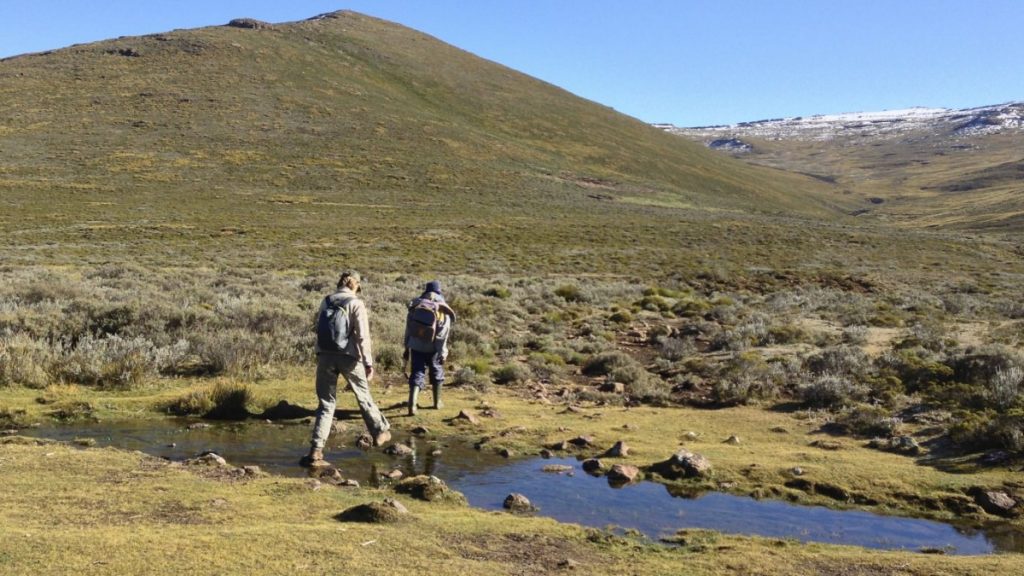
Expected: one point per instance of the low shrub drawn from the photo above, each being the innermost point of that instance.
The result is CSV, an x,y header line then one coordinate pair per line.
x,y
621,317
839,360
605,362
989,429
24,361
675,349
745,377
467,376
511,373
110,362
918,369
498,292
13,418
870,421
222,401
388,357
832,391
572,293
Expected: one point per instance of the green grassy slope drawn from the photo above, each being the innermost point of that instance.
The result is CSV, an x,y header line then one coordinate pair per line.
x,y
293,138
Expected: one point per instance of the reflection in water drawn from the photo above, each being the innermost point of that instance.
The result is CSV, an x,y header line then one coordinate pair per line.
x,y
486,479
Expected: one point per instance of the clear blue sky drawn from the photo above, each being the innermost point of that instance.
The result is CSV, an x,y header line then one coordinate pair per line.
x,y
685,62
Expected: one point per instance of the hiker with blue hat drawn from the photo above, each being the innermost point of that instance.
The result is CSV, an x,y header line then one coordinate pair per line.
x,y
427,327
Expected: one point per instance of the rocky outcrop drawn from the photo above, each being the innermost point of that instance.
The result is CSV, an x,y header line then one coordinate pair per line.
x,y
250,24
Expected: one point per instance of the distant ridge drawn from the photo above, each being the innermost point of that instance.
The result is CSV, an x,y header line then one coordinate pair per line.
x,y
984,119
933,167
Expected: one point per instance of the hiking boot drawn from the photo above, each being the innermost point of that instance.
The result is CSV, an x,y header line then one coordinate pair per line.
x,y
414,394
381,438
315,459
437,397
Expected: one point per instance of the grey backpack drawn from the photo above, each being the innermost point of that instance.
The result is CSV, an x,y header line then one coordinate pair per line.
x,y
332,328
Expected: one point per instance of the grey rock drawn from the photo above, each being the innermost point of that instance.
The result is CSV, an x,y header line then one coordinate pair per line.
x,y
518,503
905,444
623,474
995,502
398,449
593,466
384,512
467,416
582,441
619,450
683,464
429,489
207,459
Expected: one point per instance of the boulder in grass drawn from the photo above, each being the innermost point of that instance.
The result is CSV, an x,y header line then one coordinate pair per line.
x,y
560,446
683,464
995,502
582,441
387,511
207,459
619,450
429,489
467,416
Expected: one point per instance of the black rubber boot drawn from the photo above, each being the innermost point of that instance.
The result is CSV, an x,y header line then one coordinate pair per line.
x,y
437,396
414,394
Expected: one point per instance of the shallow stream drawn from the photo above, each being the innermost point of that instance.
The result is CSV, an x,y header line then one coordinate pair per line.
x,y
571,496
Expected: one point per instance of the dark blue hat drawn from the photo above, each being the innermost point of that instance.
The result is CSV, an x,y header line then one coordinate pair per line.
x,y
433,286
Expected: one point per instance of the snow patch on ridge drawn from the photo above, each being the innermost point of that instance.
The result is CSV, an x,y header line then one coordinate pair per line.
x,y
884,124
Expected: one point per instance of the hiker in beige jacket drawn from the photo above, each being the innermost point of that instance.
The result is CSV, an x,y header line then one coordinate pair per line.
x,y
343,348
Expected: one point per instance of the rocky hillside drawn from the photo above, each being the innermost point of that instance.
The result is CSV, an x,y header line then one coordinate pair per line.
x,y
260,137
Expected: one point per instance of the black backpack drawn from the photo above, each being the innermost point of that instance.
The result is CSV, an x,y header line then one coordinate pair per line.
x,y
332,328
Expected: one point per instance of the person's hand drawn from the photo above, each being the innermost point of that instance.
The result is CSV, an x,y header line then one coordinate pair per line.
x,y
369,372
405,355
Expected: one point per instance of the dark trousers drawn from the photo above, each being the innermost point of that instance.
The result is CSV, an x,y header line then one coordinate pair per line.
x,y
422,363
